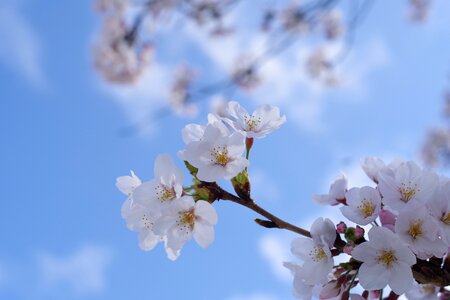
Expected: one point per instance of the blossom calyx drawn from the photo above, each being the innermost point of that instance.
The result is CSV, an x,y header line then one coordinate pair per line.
x,y
241,185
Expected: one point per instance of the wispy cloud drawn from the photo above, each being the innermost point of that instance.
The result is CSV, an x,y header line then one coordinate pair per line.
x,y
21,47
83,271
275,250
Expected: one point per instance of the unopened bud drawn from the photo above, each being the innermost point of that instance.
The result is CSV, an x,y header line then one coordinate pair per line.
x,y
359,232
341,227
348,249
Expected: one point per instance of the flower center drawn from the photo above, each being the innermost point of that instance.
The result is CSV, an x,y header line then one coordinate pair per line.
x,y
251,122
366,208
416,230
317,254
165,193
220,156
386,257
186,220
408,192
446,218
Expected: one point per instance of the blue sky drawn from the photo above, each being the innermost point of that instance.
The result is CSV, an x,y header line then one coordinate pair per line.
x,y
61,231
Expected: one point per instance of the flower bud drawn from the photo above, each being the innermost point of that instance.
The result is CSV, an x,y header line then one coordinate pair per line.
x,y
341,227
359,232
241,185
348,248
387,219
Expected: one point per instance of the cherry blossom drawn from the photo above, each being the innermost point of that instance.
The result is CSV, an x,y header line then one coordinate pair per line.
x,y
364,205
439,207
301,289
185,218
216,156
386,260
408,183
127,184
264,120
336,193
416,228
164,188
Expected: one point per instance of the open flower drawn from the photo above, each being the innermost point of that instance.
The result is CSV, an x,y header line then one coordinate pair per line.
x,y
420,231
408,183
301,289
127,184
364,205
264,120
216,155
164,188
185,218
423,292
141,219
336,194
316,252
439,207
386,260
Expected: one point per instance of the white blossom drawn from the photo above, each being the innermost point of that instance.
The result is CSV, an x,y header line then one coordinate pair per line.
x,y
127,184
141,219
216,155
316,252
420,231
386,260
185,218
372,166
164,188
364,205
264,120
301,289
423,292
439,207
336,193
408,183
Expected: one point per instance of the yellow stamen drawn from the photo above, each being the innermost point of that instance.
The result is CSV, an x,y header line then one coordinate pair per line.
x,y
317,254
165,193
386,257
366,208
408,191
416,230
186,220
220,156
251,122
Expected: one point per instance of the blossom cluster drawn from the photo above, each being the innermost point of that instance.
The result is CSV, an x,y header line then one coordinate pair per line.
x,y
162,210
405,212
407,215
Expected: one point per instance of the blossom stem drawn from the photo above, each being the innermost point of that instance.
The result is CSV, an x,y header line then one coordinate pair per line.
x,y
258,209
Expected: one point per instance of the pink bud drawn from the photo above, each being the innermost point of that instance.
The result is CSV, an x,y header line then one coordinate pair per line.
x,y
341,227
387,217
359,232
348,249
374,294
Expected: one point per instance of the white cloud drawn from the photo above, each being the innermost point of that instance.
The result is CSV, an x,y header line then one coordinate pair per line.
x,y
275,250
264,188
254,296
21,47
84,271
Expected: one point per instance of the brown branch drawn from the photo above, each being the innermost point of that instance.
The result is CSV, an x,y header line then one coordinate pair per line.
x,y
276,222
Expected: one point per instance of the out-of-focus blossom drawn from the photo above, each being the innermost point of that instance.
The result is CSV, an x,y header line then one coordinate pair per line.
x,y
180,92
436,149
293,20
320,67
423,292
112,5
332,24
419,10
245,75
